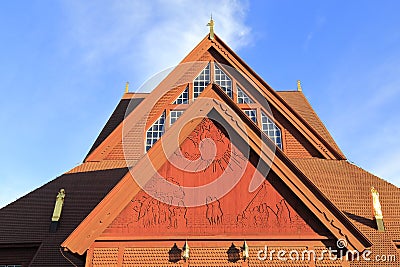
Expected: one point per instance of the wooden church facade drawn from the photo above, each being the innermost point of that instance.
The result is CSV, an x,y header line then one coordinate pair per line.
x,y
212,168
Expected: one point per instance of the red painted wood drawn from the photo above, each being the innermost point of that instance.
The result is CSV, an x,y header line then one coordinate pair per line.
x,y
263,212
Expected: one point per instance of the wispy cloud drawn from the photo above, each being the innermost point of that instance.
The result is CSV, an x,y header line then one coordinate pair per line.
x,y
317,27
147,37
93,40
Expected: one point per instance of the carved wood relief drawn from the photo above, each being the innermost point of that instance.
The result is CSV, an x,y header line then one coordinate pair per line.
x,y
207,153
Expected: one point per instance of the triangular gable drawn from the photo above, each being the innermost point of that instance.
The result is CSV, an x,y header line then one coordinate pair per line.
x,y
220,52
160,211
213,100
227,56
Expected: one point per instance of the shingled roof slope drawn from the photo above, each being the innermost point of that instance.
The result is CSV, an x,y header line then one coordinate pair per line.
x,y
27,220
124,107
349,188
300,104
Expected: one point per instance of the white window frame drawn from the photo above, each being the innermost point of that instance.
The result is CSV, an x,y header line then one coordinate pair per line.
x,y
252,117
174,116
155,131
223,80
202,80
182,99
271,129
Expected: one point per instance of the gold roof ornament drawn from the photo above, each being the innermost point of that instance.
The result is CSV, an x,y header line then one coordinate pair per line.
x,y
58,206
245,251
376,203
377,209
299,86
185,251
127,87
211,25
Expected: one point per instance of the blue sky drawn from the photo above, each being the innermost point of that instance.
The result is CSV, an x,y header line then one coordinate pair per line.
x,y
64,65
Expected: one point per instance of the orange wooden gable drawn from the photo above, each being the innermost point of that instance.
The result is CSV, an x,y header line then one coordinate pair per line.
x,y
215,103
160,210
175,82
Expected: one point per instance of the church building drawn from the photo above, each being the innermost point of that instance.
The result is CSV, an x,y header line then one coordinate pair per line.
x,y
213,167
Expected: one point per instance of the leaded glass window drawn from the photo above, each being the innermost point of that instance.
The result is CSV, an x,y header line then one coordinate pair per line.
x,y
271,130
155,131
183,98
201,81
223,80
243,98
174,115
252,113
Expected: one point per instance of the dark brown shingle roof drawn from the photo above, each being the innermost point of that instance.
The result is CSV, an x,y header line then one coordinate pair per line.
x,y
27,220
124,107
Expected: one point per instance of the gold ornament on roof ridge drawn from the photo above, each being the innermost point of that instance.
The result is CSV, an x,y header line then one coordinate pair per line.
x,y
299,86
211,25
127,87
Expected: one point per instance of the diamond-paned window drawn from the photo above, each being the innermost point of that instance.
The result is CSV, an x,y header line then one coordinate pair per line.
x,y
271,130
252,113
201,81
243,98
183,98
174,115
223,80
155,131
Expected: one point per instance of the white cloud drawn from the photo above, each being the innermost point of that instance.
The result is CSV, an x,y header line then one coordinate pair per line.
x,y
147,37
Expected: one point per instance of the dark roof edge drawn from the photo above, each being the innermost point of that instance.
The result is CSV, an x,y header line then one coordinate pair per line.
x,y
124,107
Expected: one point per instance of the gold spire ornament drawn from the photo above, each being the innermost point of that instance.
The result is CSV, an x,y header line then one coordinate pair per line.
x,y
127,87
185,251
57,211
211,25
58,206
245,251
299,86
377,209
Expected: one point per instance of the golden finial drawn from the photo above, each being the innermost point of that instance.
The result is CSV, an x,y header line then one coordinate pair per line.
x,y
377,209
185,251
58,206
127,87
376,203
211,25
299,86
